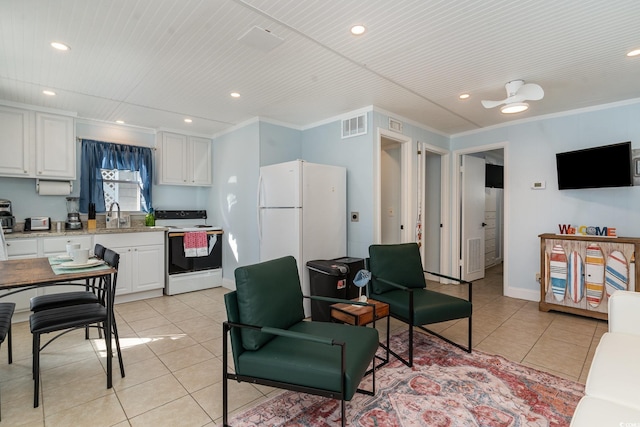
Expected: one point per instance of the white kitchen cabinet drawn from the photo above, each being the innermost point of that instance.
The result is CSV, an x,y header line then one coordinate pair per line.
x,y
184,160
20,249
36,145
15,142
200,161
55,147
141,260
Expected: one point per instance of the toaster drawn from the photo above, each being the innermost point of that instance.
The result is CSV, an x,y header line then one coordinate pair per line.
x,y
37,223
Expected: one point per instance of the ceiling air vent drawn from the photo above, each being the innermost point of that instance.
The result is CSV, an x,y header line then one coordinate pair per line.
x,y
260,39
395,125
354,126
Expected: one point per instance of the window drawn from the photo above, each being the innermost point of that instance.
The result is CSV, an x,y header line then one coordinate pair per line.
x,y
122,187
115,173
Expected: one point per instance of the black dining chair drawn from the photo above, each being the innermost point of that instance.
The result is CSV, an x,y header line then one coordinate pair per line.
x,y
6,313
66,299
68,318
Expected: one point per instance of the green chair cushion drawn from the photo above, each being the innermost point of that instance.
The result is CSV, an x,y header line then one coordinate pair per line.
x,y
268,294
313,364
401,264
429,306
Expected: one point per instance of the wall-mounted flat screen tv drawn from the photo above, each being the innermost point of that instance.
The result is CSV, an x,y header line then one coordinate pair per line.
x,y
494,176
605,166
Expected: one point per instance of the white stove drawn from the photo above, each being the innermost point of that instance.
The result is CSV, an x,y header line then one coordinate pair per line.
x,y
189,220
189,227
185,272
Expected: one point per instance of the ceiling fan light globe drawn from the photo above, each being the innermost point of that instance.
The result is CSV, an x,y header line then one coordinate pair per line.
x,y
514,108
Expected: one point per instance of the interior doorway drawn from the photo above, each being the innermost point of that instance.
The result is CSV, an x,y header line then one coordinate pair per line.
x,y
433,208
391,224
492,218
392,204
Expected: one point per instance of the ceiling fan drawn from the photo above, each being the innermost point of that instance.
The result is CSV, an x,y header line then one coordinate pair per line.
x,y
517,93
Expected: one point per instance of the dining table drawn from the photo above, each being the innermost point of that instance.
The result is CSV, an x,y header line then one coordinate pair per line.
x,y
18,275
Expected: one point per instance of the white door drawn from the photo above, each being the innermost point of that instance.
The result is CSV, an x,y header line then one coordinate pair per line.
x,y
472,208
391,192
279,185
279,233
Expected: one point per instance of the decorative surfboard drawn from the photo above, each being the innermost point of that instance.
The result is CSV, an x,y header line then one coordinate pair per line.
x,y
558,268
594,275
547,272
616,276
575,277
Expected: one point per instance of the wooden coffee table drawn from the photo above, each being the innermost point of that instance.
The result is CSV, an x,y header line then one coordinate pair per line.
x,y
362,315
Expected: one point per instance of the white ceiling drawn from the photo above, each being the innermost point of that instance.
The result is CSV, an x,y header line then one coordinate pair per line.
x,y
152,63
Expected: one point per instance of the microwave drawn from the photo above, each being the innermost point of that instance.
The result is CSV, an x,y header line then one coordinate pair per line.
x,y
37,223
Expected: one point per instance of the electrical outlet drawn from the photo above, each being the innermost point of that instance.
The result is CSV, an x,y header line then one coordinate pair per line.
x,y
355,216
537,277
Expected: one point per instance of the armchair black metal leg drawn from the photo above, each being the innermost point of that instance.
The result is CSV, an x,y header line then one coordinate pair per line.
x,y
344,421
470,330
410,345
9,346
225,386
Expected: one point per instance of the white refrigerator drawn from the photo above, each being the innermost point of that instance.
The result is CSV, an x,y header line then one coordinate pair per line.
x,y
302,211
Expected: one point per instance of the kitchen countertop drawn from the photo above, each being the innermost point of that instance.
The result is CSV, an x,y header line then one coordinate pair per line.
x,y
81,232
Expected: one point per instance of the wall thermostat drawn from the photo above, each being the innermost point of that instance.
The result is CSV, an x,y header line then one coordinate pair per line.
x,y
538,185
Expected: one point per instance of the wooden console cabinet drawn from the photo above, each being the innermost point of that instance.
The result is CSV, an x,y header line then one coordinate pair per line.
x,y
629,246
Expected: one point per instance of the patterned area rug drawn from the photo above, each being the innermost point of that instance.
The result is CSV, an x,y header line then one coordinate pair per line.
x,y
446,387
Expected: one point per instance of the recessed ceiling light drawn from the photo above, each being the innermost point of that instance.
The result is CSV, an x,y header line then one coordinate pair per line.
x,y
49,92
60,46
235,95
188,120
357,30
634,52
517,107
120,122
464,96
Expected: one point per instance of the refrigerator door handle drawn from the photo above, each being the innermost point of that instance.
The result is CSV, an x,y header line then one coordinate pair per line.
x,y
258,209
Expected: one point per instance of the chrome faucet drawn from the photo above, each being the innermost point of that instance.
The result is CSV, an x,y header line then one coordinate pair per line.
x,y
111,210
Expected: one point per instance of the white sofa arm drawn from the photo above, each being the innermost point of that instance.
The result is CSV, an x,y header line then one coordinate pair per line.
x,y
624,312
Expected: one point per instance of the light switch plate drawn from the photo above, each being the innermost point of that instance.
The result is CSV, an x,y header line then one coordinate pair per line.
x,y
538,185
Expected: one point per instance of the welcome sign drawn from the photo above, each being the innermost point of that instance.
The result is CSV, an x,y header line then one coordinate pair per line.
x,y
587,230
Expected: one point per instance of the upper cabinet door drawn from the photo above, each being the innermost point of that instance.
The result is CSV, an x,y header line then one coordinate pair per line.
x,y
200,161
173,151
55,147
15,143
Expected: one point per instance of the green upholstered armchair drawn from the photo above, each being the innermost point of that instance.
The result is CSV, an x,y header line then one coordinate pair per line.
x,y
273,345
398,280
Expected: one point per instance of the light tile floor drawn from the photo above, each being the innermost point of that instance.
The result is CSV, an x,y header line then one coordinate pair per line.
x,y
173,358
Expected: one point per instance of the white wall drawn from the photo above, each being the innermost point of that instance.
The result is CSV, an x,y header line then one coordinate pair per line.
x,y
531,157
323,144
278,144
232,197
